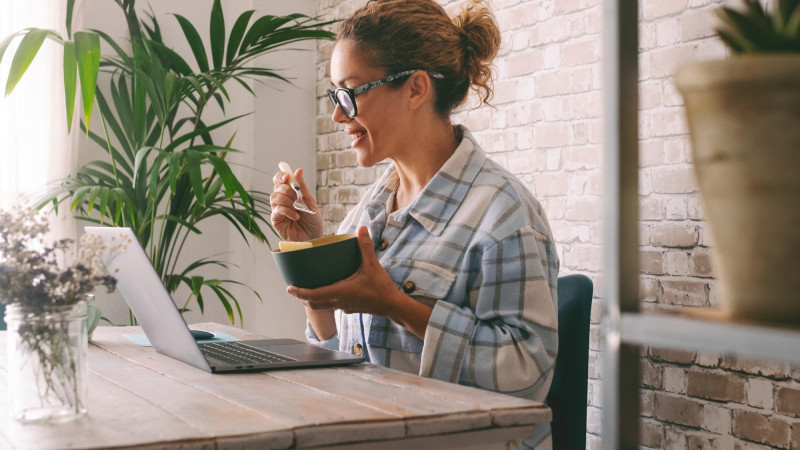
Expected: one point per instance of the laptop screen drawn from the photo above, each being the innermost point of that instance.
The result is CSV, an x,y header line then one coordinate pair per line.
x,y
146,295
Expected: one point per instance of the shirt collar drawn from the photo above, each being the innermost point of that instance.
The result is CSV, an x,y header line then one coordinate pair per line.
x,y
442,196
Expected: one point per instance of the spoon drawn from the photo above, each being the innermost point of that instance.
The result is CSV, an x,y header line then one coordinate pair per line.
x,y
298,204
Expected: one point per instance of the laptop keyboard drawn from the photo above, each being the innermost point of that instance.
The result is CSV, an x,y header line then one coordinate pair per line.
x,y
238,354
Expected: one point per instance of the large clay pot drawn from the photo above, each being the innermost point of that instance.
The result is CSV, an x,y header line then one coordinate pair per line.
x,y
744,124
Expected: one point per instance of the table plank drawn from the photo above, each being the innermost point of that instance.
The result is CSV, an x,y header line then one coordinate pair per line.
x,y
106,425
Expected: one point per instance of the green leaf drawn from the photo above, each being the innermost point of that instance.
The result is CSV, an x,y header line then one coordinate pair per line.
x,y
141,155
87,47
124,110
195,42
237,33
200,302
181,221
125,59
155,176
116,129
194,161
221,295
70,79
197,284
215,82
217,34
212,190
188,136
177,63
793,25
229,180
6,42
174,170
245,85
260,27
70,8
784,11
27,50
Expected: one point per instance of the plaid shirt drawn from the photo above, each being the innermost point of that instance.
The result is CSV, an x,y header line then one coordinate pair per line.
x,y
475,245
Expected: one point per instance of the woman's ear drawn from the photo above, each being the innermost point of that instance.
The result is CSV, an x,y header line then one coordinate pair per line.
x,y
421,89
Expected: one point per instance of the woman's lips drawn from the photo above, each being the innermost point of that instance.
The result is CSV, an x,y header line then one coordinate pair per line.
x,y
358,136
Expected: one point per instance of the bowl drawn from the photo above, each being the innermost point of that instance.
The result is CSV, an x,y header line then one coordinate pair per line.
x,y
328,260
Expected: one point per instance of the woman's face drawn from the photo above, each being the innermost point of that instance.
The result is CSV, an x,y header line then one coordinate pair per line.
x,y
377,129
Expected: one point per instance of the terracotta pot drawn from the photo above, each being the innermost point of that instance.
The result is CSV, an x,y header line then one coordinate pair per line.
x,y
744,124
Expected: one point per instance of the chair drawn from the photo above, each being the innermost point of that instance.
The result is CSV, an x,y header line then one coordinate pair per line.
x,y
567,396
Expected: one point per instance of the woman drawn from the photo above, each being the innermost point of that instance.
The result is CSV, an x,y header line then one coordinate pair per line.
x,y
459,269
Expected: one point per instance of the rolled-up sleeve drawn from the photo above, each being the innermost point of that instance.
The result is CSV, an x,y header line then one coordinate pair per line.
x,y
506,339
311,337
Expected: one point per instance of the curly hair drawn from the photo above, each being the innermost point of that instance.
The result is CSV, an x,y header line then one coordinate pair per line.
x,y
397,35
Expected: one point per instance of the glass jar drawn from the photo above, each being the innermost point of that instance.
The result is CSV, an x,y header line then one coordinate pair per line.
x,y
47,370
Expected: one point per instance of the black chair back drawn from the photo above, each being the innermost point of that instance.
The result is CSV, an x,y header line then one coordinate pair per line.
x,y
567,396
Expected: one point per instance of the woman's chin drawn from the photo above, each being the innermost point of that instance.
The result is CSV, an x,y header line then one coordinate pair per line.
x,y
364,157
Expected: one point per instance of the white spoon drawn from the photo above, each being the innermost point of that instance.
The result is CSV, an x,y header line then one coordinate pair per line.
x,y
298,204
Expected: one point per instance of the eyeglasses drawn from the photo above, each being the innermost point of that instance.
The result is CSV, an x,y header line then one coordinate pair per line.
x,y
346,98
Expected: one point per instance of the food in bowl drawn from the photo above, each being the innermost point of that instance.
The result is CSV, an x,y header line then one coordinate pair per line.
x,y
288,246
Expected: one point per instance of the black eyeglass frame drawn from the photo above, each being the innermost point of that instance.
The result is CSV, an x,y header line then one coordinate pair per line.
x,y
351,93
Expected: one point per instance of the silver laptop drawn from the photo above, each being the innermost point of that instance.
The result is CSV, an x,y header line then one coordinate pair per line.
x,y
168,333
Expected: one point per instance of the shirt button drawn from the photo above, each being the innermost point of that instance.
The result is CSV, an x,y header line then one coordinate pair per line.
x,y
409,287
384,245
358,350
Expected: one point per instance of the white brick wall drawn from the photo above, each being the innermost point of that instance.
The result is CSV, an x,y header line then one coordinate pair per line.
x,y
546,129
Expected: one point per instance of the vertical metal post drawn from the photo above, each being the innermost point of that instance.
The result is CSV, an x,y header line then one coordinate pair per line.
x,y
620,362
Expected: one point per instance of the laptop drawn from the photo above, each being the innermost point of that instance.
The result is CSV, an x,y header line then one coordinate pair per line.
x,y
164,326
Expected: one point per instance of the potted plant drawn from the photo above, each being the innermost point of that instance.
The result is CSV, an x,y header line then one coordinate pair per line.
x,y
744,115
164,173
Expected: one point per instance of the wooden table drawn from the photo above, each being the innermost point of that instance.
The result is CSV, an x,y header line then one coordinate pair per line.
x,y
138,397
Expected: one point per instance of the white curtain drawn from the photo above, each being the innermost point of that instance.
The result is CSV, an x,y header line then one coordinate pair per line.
x,y
35,147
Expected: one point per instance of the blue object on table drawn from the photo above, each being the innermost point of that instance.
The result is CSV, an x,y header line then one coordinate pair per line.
x,y
2,315
141,339
567,396
199,335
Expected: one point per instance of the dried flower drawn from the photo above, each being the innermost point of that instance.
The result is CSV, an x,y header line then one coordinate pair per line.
x,y
37,275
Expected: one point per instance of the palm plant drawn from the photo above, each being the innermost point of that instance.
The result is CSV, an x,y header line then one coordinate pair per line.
x,y
164,174
754,29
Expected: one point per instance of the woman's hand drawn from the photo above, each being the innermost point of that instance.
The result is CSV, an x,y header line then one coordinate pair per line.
x,y
370,290
293,225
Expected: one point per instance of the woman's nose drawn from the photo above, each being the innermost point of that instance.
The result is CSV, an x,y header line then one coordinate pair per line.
x,y
339,116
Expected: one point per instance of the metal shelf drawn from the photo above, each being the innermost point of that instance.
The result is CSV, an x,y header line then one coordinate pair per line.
x,y
625,329
710,329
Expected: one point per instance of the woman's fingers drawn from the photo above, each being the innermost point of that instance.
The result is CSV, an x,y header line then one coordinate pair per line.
x,y
366,246
308,196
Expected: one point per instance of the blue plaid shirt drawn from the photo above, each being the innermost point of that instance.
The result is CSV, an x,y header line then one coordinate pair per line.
x,y
475,245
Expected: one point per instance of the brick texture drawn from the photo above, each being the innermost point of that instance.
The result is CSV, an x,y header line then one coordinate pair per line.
x,y
719,386
760,428
788,401
546,128
678,410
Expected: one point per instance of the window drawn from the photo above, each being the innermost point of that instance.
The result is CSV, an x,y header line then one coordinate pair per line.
x,y
35,147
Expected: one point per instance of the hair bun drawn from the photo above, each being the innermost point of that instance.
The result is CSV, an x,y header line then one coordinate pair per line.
x,y
481,38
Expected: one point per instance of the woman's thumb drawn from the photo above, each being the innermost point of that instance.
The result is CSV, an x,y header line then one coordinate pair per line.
x,y
365,243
